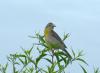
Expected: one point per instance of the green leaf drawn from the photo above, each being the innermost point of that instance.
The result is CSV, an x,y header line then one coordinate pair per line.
x,y
57,57
21,60
65,36
63,59
19,55
96,70
29,52
79,59
58,63
32,36
73,53
48,60
80,53
60,53
68,62
84,70
52,67
25,51
3,69
44,44
26,61
45,50
39,50
61,69
32,61
41,70
41,39
6,66
40,57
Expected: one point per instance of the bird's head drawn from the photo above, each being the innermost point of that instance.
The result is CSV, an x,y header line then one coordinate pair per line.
x,y
50,26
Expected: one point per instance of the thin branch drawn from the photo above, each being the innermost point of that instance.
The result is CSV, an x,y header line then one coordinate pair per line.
x,y
52,56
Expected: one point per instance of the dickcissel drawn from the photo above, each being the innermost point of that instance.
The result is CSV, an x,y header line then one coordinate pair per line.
x,y
53,40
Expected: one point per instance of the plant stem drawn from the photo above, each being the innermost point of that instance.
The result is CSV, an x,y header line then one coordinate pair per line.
x,y
52,56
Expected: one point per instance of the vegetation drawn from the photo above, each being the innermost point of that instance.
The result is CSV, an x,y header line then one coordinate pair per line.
x,y
39,59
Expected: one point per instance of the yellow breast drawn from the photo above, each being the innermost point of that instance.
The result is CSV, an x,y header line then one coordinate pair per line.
x,y
46,32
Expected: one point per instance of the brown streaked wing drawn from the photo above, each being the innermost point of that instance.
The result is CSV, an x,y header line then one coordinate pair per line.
x,y
54,34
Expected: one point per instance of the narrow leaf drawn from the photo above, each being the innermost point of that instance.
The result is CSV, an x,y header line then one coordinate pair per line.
x,y
65,36
79,59
73,53
48,60
40,57
84,70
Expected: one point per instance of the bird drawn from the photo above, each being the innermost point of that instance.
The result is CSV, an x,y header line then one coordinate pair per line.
x,y
53,40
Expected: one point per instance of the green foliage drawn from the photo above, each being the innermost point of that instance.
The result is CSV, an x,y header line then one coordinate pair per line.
x,y
84,70
96,70
55,62
3,69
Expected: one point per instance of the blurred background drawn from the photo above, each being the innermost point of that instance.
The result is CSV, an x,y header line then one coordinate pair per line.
x,y
80,18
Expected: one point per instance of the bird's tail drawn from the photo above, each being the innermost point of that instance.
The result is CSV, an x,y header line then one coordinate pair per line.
x,y
67,53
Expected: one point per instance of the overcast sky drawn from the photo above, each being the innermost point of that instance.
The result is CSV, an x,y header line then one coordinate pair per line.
x,y
80,18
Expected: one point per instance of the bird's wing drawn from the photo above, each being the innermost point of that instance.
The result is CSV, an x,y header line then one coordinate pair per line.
x,y
55,35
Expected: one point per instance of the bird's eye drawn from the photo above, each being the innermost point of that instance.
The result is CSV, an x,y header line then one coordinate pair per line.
x,y
49,25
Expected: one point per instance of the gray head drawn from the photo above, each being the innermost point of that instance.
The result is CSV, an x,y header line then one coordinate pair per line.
x,y
50,26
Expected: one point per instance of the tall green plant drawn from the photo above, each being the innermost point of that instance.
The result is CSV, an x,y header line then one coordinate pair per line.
x,y
27,62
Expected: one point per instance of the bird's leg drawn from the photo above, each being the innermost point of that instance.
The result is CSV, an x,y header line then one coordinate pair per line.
x,y
52,55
